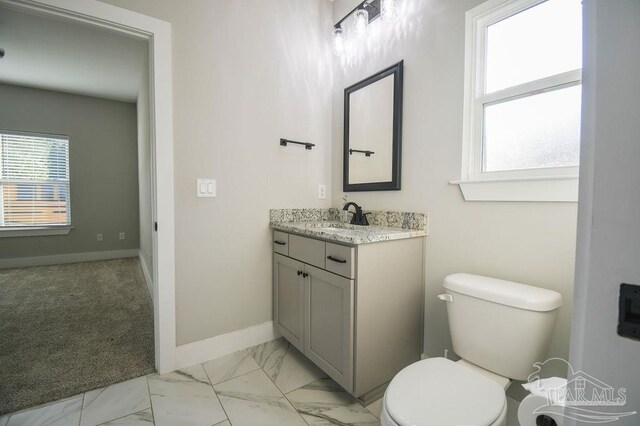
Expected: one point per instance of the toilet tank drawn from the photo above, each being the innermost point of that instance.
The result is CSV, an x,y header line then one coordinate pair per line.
x,y
501,326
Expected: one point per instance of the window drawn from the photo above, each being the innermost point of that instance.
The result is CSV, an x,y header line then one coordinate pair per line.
x,y
34,182
522,101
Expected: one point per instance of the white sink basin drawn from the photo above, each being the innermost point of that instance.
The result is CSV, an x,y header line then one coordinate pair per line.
x,y
340,229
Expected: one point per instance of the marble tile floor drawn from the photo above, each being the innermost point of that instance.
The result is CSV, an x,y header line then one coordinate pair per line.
x,y
269,384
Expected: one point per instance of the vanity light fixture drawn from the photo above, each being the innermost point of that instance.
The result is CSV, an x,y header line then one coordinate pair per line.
x,y
363,15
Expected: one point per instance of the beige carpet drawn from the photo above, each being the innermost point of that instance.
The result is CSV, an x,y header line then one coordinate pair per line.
x,y
67,329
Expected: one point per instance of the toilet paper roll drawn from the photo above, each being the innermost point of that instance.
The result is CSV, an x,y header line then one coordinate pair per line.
x,y
534,406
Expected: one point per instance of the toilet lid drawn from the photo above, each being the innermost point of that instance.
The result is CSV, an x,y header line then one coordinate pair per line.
x,y
440,392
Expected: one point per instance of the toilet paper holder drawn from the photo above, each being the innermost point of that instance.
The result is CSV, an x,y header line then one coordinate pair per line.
x,y
544,420
528,414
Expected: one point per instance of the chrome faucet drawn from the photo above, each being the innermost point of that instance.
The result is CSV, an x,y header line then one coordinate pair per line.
x,y
358,217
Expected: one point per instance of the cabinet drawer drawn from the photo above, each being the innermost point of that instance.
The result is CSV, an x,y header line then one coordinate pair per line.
x,y
281,242
307,250
340,260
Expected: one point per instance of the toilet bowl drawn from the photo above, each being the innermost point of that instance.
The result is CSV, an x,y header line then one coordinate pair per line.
x,y
440,392
499,329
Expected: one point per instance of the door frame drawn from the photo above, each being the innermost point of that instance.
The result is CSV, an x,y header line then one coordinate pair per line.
x,y
158,35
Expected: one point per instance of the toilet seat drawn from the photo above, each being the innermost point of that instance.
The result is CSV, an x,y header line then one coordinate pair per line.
x,y
440,392
386,419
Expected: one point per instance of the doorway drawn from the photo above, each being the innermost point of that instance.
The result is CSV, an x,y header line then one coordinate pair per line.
x,y
158,35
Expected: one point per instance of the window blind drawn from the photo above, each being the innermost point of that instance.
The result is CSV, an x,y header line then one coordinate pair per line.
x,y
34,180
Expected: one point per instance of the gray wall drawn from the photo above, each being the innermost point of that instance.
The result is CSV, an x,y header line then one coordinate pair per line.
x,y
609,234
103,168
532,243
245,73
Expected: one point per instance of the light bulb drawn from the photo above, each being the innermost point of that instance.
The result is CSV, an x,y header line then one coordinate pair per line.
x,y
388,10
338,41
361,23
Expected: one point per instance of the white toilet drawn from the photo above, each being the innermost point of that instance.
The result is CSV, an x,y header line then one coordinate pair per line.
x,y
499,329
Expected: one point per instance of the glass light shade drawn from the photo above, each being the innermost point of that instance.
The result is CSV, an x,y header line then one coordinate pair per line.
x,y
361,17
338,41
388,10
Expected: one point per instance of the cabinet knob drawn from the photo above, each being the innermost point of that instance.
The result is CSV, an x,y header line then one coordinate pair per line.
x,y
305,275
299,273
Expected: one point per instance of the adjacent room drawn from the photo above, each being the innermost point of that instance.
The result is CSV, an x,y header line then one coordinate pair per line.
x,y
319,212
76,312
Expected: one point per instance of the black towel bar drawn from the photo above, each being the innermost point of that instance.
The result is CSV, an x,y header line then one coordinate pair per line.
x,y
307,145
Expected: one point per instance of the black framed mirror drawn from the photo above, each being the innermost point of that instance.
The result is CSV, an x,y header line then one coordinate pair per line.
x,y
373,132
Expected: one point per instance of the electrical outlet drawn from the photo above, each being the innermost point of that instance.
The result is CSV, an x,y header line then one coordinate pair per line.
x,y
322,191
99,237
121,235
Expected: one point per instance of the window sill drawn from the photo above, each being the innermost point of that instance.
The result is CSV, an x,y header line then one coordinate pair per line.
x,y
34,231
540,189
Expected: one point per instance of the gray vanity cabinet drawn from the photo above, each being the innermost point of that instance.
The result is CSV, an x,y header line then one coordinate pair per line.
x,y
329,324
354,310
289,299
313,310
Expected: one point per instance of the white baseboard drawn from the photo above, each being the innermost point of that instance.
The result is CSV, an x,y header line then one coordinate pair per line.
x,y
145,271
224,344
56,259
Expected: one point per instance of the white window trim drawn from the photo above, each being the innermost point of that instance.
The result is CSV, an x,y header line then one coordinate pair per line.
x,y
34,231
559,184
37,230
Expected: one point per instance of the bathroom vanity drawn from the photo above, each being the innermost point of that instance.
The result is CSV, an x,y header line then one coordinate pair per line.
x,y
350,297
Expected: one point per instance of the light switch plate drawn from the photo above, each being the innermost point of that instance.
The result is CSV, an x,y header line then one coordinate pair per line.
x,y
206,188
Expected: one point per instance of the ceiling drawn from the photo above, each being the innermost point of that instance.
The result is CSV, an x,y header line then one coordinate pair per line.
x,y
70,57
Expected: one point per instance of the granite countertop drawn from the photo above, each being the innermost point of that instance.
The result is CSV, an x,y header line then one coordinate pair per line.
x,y
327,224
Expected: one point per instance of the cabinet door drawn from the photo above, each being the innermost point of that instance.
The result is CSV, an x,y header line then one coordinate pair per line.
x,y
288,297
329,324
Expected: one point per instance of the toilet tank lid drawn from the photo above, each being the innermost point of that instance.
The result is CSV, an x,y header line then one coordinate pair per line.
x,y
504,292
